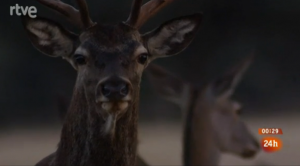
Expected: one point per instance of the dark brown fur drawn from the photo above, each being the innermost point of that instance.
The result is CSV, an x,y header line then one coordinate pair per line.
x,y
62,105
83,143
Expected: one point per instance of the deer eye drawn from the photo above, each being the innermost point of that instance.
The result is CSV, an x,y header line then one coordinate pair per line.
x,y
80,59
142,59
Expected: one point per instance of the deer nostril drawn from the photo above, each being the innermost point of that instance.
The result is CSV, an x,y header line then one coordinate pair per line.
x,y
124,90
106,91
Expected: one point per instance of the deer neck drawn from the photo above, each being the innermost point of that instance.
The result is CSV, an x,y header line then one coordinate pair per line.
x,y
82,140
198,142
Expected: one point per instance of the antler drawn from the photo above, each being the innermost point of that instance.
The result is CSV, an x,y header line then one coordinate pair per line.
x,y
139,15
134,14
80,18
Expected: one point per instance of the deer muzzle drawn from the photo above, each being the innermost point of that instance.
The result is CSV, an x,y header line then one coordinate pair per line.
x,y
112,97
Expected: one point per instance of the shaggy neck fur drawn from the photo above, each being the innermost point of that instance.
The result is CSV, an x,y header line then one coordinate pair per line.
x,y
83,143
198,143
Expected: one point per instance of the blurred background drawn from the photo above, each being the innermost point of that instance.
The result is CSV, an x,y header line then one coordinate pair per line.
x,y
231,30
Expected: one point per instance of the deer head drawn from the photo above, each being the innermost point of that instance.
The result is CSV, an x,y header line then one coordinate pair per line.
x,y
110,59
230,133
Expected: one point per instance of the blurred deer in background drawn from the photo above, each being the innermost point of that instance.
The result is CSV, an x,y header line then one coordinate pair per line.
x,y
100,127
212,123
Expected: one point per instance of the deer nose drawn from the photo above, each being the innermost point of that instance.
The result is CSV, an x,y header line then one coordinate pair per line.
x,y
251,150
249,153
120,90
114,89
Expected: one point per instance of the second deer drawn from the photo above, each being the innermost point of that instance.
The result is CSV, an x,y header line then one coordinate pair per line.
x,y
212,123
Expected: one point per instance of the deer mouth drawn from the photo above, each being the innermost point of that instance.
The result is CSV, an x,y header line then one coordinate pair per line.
x,y
114,106
249,153
112,111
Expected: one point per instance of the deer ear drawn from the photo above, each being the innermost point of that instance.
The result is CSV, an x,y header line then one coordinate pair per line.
x,y
225,85
173,36
166,84
49,37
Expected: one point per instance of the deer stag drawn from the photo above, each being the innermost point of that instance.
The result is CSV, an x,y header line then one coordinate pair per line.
x,y
212,123
100,127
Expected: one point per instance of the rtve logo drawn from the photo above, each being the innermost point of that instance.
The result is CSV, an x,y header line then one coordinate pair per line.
x,y
31,11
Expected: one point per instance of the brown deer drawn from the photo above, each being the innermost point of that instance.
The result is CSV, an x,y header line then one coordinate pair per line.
x,y
212,123
100,127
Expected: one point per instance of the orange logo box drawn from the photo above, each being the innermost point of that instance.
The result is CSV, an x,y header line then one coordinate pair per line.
x,y
270,131
271,144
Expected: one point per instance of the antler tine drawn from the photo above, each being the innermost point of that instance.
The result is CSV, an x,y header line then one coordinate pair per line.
x,y
79,18
149,9
134,14
84,13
